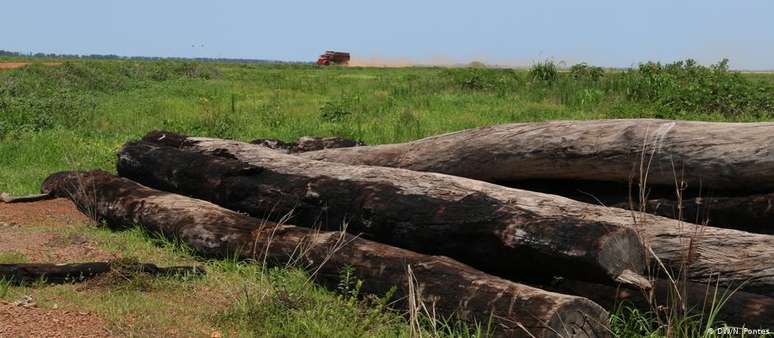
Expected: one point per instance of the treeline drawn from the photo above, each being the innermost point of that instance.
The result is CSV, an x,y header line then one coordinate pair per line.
x,y
5,53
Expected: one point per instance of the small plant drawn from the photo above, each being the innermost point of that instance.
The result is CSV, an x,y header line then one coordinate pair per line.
x,y
546,71
5,287
349,286
337,111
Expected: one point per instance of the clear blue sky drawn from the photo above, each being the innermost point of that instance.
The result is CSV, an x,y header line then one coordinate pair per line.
x,y
608,33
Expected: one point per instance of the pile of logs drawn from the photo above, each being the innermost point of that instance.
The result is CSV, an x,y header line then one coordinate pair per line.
x,y
527,227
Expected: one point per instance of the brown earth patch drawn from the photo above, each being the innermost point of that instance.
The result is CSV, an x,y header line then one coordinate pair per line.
x,y
31,321
22,231
56,212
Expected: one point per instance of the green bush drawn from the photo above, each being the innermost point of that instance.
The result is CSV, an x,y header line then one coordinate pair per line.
x,y
687,87
546,72
583,71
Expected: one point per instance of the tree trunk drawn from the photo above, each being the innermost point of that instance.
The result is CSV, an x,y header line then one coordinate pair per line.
x,y
67,273
754,213
707,155
734,308
401,201
453,288
515,234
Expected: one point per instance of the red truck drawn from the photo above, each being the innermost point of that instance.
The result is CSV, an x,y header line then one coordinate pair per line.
x,y
333,58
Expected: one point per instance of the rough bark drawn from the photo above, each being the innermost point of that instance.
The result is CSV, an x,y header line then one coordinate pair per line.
x,y
308,143
452,287
511,233
734,308
715,156
754,213
735,257
76,272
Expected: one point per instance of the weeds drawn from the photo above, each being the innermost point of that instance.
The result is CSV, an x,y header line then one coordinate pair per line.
x,y
545,72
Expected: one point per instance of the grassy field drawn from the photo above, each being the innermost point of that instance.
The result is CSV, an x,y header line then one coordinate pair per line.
x,y
76,115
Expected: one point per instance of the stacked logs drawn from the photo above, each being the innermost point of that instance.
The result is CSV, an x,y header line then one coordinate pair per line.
x,y
468,214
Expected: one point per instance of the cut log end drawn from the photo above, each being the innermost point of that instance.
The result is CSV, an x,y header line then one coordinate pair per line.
x,y
579,318
624,255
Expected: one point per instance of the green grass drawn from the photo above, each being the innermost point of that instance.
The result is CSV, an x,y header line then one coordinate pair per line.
x,y
76,116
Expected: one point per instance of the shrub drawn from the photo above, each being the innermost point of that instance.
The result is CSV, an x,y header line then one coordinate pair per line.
x,y
583,71
546,71
686,86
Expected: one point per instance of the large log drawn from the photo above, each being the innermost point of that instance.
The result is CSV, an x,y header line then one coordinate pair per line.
x,y
714,156
453,288
754,213
735,257
76,272
512,233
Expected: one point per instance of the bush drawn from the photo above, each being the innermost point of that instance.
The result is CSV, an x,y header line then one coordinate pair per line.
x,y
686,86
546,71
583,71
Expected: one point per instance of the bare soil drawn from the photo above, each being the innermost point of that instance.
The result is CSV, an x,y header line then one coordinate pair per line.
x,y
25,228
31,321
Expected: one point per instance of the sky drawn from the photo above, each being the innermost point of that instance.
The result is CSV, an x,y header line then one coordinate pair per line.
x,y
613,33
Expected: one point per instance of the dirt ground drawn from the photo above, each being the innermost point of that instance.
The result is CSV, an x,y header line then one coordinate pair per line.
x,y
20,235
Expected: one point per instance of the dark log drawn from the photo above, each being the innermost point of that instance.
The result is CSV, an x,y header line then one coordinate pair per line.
x,y
453,288
714,156
709,253
308,143
754,213
735,308
76,272
515,234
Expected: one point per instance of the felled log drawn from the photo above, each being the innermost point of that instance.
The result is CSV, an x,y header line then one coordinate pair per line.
x,y
737,308
308,143
511,233
402,198
754,213
76,272
714,156
453,288
7,198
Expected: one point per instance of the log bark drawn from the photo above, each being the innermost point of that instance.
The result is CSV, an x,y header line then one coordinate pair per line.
x,y
453,288
515,234
714,156
308,143
76,272
703,254
754,213
737,308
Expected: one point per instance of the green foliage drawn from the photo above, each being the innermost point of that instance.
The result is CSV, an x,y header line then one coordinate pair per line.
x,y
340,110
482,79
546,72
583,71
39,97
5,286
687,87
